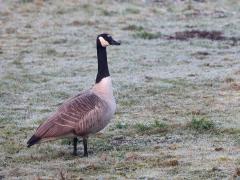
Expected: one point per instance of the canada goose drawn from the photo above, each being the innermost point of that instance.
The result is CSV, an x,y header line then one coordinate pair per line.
x,y
86,113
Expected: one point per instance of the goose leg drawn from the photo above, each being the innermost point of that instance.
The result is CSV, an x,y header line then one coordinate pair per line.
x,y
75,146
85,147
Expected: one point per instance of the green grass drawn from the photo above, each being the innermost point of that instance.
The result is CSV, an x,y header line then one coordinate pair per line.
x,y
66,141
155,127
132,10
108,13
201,124
140,127
143,34
26,1
159,86
158,124
100,145
233,132
12,147
51,52
121,125
133,27
128,102
3,120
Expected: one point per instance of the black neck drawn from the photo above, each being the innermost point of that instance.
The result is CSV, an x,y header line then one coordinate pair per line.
x,y
102,64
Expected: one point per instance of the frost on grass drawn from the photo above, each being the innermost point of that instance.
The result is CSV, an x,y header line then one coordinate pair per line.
x,y
175,77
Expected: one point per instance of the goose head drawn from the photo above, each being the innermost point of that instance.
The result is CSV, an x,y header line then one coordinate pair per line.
x,y
104,40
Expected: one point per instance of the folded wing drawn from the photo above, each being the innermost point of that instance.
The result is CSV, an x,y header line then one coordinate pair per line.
x,y
79,115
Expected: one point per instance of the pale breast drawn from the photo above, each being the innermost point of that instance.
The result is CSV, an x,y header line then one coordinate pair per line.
x,y
107,111
104,91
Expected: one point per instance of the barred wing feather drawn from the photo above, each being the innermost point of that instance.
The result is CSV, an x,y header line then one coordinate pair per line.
x,y
78,116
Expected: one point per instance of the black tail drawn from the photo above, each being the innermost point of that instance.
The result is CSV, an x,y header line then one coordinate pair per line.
x,y
33,140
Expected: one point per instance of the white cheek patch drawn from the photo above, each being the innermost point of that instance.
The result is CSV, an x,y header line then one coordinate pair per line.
x,y
103,42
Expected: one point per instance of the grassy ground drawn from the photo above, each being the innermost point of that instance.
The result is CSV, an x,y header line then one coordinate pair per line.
x,y
178,98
